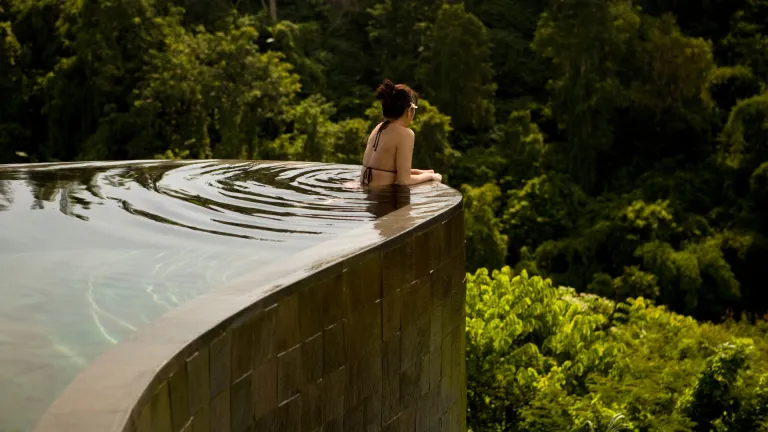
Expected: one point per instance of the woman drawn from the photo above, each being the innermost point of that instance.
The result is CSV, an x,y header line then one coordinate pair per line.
x,y
387,158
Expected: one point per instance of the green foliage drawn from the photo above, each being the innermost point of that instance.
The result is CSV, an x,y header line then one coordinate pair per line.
x,y
544,358
485,244
396,31
520,74
585,39
542,209
747,42
744,136
455,68
300,42
514,154
729,85
216,83
612,146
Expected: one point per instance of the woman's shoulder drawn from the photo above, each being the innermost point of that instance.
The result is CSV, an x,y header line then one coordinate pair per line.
x,y
407,137
405,131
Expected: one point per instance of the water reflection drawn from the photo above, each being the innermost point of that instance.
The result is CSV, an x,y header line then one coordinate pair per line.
x,y
386,199
90,252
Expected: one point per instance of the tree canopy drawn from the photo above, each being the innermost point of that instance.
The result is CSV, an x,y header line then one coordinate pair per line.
x,y
615,147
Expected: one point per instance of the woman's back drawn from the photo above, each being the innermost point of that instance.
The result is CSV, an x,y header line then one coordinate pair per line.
x,y
380,158
388,153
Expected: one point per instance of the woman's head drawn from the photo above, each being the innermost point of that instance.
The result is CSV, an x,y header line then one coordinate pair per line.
x,y
396,100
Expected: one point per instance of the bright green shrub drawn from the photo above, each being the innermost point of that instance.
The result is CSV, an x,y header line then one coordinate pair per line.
x,y
544,358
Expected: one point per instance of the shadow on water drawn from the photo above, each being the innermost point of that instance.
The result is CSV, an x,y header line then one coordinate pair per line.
x,y
387,199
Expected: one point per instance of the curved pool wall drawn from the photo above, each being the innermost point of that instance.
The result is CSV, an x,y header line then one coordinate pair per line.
x,y
362,331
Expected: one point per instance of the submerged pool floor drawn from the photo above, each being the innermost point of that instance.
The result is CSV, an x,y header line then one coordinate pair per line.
x,y
91,252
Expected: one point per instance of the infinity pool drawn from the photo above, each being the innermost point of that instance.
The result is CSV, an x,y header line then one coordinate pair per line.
x,y
90,252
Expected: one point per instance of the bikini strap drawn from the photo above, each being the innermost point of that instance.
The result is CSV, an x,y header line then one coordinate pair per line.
x,y
383,126
367,175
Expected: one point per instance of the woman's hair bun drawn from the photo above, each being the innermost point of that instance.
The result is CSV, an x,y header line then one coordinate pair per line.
x,y
385,90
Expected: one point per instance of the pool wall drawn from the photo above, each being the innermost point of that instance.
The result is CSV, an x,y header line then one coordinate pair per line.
x,y
371,341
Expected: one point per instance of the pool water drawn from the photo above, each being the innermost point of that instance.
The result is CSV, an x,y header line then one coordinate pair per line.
x,y
90,252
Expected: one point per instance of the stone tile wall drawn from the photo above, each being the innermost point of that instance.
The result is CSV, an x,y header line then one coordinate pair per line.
x,y
377,345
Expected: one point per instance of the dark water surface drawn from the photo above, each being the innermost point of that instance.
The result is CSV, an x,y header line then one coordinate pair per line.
x,y
90,252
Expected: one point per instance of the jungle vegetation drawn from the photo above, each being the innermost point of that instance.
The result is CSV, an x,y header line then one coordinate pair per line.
x,y
617,147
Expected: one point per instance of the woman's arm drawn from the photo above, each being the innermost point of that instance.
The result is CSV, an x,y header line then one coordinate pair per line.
x,y
404,156
415,171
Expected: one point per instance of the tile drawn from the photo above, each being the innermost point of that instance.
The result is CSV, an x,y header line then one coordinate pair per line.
x,y
372,278
263,336
241,403
221,353
265,388
435,367
362,284
416,301
447,319
457,355
423,414
460,233
445,424
333,304
364,377
410,385
446,240
391,379
334,425
436,327
421,256
435,239
287,333
312,406
372,413
445,395
220,415
404,422
459,267
415,342
425,375
160,407
179,398
289,374
456,231
145,419
333,394
198,383
455,416
269,422
434,408
445,356
390,315
289,415
242,349
311,311
441,281
334,355
353,419
362,334
201,422
397,267
187,427
312,359
457,308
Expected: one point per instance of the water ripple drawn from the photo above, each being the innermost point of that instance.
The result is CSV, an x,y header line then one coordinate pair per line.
x,y
90,252
246,200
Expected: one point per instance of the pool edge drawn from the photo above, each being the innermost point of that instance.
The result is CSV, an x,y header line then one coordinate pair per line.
x,y
115,391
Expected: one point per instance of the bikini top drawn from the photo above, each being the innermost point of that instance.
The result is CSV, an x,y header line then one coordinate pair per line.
x,y
368,173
